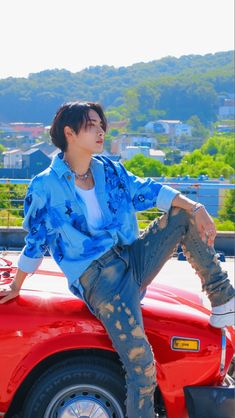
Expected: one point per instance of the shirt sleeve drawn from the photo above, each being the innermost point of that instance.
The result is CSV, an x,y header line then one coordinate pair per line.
x,y
36,224
147,193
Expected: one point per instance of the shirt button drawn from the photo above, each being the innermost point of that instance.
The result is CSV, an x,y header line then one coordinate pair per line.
x,y
69,177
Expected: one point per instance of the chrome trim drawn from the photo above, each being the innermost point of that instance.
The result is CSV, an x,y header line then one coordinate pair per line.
x,y
185,338
223,350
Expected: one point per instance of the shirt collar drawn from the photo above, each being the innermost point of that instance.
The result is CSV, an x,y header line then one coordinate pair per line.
x,y
59,166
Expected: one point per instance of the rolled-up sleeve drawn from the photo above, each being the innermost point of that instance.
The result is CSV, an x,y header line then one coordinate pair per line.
x,y
165,197
27,264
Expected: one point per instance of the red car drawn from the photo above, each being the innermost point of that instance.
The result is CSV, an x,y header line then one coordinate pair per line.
x,y
56,360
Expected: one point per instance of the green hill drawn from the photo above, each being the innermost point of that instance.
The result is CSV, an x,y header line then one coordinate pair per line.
x,y
169,87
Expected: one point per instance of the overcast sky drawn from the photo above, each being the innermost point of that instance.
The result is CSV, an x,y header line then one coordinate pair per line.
x,y
74,34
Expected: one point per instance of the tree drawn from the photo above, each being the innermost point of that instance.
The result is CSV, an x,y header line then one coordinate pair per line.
x,y
2,149
145,167
198,129
227,212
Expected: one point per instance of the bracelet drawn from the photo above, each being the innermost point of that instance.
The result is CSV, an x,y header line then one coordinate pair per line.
x,y
14,287
197,207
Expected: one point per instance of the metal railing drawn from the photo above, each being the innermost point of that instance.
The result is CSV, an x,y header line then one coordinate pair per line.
x,y
211,194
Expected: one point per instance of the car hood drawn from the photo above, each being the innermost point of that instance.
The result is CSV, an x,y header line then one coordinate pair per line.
x,y
54,283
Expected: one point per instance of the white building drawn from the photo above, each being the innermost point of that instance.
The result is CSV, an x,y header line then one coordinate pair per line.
x,y
12,158
183,129
119,145
227,111
131,151
157,154
171,128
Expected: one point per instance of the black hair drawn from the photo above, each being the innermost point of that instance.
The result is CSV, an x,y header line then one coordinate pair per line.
x,y
75,115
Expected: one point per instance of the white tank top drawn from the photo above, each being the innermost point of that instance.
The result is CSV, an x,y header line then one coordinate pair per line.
x,y
94,214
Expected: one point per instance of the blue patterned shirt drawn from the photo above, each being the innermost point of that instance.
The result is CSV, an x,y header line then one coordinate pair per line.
x,y
55,215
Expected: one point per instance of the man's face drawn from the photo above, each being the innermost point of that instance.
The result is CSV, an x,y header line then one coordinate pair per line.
x,y
90,139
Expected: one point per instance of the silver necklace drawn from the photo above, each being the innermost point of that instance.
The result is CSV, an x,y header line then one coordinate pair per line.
x,y
82,177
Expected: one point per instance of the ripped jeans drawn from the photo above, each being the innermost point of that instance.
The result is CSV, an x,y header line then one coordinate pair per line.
x,y
113,285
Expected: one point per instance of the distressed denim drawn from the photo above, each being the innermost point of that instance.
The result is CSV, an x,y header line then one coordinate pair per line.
x,y
113,286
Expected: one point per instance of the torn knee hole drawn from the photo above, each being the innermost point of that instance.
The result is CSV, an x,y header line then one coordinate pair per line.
x,y
162,221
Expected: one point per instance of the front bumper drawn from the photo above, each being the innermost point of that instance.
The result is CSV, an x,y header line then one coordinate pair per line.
x,y
210,401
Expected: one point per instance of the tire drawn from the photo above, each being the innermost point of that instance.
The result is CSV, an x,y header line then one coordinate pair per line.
x,y
86,384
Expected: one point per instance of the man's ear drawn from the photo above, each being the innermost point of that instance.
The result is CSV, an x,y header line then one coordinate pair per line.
x,y
68,133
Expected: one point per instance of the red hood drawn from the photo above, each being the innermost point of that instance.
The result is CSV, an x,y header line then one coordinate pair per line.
x,y
55,282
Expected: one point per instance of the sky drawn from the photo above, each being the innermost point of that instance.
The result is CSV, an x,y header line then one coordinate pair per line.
x,y
37,35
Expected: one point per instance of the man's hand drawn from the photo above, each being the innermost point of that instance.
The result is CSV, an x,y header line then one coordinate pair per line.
x,y
13,290
8,293
205,225
203,220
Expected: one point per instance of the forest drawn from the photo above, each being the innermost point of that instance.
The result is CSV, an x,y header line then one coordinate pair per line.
x,y
170,88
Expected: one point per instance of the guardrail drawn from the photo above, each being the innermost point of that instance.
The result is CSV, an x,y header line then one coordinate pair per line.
x,y
211,194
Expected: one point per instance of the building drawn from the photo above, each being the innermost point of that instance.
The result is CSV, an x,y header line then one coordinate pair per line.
x,y
119,145
34,161
157,154
183,129
225,128
45,147
12,158
32,130
131,151
155,127
227,109
172,128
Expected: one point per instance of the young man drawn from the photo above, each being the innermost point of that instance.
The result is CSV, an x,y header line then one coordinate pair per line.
x,y
82,208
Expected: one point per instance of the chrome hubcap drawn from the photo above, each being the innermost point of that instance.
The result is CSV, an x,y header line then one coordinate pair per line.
x,y
81,408
84,401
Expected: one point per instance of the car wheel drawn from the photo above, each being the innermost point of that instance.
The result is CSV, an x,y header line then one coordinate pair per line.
x,y
79,387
